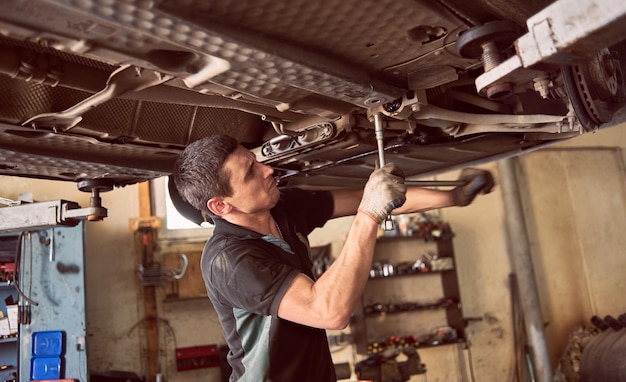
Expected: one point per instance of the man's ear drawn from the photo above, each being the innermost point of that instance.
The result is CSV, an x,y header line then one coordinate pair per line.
x,y
217,206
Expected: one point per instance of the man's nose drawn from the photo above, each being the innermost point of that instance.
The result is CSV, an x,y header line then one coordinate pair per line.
x,y
267,170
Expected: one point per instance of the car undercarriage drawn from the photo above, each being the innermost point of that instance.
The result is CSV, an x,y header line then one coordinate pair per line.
x,y
110,92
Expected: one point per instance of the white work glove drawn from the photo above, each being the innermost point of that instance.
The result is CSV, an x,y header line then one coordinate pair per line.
x,y
478,181
384,191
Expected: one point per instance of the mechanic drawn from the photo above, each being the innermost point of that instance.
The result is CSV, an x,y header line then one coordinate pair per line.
x,y
256,265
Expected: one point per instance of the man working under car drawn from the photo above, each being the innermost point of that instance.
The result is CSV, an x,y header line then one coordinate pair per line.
x,y
256,266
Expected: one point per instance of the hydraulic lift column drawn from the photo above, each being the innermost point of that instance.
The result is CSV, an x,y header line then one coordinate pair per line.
x,y
50,269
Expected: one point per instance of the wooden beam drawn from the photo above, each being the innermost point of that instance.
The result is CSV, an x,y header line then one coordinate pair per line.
x,y
147,243
145,200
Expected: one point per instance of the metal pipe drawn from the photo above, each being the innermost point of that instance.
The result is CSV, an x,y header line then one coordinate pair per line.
x,y
435,112
75,76
434,183
524,271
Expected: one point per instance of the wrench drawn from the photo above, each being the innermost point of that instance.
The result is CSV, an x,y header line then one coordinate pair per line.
x,y
378,131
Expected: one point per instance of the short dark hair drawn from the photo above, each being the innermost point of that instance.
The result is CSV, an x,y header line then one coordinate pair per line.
x,y
199,172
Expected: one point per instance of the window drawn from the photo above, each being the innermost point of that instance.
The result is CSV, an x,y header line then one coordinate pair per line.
x,y
174,226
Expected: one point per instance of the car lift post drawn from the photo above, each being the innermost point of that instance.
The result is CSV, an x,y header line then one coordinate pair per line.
x,y
51,284
48,228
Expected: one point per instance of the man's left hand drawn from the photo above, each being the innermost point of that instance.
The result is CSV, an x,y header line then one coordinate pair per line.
x,y
477,181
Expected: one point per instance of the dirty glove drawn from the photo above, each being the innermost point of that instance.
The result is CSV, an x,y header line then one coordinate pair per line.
x,y
477,181
384,191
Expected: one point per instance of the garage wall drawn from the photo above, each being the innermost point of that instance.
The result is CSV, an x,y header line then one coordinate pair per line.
x,y
574,196
576,203
575,224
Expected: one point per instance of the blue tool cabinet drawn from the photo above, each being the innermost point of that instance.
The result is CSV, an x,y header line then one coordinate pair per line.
x,y
50,343
52,279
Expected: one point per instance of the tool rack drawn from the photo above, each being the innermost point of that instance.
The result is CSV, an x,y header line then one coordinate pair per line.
x,y
416,306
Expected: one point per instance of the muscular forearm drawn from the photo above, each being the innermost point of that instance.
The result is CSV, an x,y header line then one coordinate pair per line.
x,y
328,303
424,199
346,202
417,200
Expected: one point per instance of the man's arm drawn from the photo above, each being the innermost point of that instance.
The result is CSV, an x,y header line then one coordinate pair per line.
x,y
423,199
417,200
328,302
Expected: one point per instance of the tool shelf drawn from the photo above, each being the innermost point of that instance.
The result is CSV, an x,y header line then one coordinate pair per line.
x,y
384,346
418,303
377,309
409,274
9,346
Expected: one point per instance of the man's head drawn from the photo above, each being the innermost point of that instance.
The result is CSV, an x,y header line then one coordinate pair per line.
x,y
199,173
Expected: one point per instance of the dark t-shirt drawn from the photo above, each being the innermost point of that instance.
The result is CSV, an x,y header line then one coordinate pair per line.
x,y
246,277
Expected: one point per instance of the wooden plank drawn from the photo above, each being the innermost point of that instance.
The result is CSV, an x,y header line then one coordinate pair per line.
x,y
145,209
191,285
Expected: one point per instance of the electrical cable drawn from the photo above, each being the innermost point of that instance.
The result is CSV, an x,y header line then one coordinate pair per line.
x,y
18,259
173,334
169,328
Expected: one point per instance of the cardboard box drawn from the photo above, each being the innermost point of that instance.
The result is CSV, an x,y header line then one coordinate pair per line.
x,y
12,313
4,327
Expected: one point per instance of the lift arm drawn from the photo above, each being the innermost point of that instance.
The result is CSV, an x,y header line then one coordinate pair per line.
x,y
41,215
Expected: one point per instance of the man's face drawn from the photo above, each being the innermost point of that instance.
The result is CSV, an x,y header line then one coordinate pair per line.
x,y
254,187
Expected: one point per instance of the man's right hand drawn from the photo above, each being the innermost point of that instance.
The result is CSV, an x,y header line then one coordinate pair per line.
x,y
385,190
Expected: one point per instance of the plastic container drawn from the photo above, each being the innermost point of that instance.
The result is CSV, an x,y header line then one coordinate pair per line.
x,y
42,368
47,344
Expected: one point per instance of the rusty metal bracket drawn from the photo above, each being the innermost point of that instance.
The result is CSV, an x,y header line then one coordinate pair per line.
x,y
124,80
563,33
